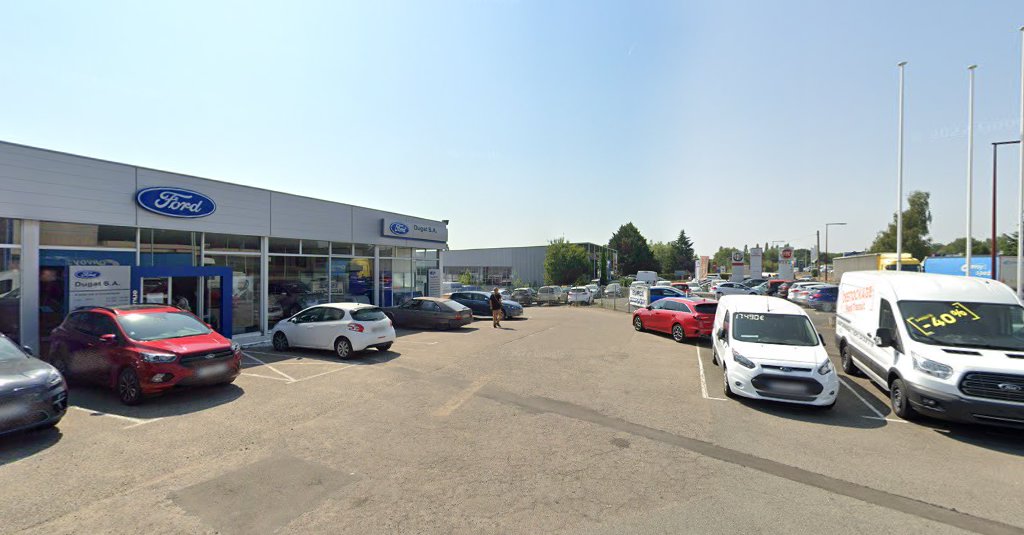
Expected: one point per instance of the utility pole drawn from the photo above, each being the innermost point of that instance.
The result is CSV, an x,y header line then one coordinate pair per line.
x,y
817,246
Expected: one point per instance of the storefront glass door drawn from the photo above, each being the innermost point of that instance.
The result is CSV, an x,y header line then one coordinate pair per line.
x,y
180,292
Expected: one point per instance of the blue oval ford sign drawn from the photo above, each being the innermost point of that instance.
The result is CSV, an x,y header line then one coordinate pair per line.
x,y
87,274
399,228
175,202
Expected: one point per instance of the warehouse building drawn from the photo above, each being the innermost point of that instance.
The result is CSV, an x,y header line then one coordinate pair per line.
x,y
503,266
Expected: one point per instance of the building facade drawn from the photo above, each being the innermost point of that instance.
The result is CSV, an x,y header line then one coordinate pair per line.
x,y
77,231
503,266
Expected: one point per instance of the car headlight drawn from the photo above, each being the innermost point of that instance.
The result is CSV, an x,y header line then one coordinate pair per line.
x,y
825,368
743,361
158,358
54,379
935,369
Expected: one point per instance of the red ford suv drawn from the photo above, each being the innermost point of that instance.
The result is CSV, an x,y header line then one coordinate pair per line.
x,y
142,350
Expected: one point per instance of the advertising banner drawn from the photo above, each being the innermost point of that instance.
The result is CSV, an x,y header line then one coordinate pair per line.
x,y
99,286
957,265
434,282
756,262
639,295
415,229
786,263
737,266
705,266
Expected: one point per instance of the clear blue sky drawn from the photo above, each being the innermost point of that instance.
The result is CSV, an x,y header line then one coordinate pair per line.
x,y
521,121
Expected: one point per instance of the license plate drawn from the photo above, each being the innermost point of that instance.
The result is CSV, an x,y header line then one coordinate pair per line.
x,y
212,370
380,329
792,388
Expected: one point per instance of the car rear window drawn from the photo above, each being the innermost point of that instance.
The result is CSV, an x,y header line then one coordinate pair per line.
x,y
706,308
161,326
454,306
368,314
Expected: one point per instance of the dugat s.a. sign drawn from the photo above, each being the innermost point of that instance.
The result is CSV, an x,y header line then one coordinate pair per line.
x,y
175,202
414,229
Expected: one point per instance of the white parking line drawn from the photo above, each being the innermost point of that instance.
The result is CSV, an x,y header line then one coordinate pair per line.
x,y
703,381
135,421
878,414
271,368
324,373
266,377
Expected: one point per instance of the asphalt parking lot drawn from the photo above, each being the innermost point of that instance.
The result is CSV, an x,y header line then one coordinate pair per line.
x,y
565,421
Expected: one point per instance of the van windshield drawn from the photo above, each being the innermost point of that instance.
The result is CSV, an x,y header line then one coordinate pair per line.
x,y
980,325
781,329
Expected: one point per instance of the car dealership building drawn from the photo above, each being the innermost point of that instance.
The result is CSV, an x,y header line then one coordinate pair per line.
x,y
77,231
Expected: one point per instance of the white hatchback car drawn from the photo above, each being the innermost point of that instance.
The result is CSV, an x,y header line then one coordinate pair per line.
x,y
342,327
769,349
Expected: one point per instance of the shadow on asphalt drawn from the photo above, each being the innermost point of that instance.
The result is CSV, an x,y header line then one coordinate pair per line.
x,y
840,416
271,357
1001,439
27,443
175,403
405,331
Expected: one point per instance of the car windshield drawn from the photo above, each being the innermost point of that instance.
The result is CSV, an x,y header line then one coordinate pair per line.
x,y
161,326
9,351
958,324
368,314
781,329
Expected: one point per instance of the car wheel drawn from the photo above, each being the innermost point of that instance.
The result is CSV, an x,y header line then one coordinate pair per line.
x,y
280,341
60,361
343,348
727,390
129,391
638,323
714,357
384,347
899,400
678,334
847,361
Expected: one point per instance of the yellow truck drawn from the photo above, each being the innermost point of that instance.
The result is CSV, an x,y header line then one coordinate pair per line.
x,y
871,262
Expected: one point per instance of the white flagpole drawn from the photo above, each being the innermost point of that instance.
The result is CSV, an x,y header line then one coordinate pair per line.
x,y
899,180
970,165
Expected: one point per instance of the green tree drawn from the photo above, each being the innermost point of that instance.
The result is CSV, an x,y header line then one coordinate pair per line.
x,y
566,263
723,257
466,278
682,253
634,253
604,266
1007,244
664,255
957,247
916,219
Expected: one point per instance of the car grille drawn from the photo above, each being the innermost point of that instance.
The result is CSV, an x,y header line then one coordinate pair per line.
x,y
196,359
786,370
785,386
1000,386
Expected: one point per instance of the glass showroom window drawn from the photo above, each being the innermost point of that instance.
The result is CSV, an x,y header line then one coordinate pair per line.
x,y
352,280
10,278
396,281
245,292
159,247
294,283
76,235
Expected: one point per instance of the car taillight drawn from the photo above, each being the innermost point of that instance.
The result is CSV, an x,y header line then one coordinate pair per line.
x,y
816,296
355,327
458,315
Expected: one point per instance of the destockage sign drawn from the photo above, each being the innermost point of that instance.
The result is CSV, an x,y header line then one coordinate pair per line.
x,y
175,202
413,230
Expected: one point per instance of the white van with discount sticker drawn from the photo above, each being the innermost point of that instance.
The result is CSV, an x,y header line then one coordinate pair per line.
x,y
945,346
769,349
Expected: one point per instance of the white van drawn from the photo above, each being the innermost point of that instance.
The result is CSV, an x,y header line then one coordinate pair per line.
x,y
945,346
649,277
769,349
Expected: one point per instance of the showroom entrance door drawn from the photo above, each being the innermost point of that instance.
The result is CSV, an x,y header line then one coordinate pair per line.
x,y
195,289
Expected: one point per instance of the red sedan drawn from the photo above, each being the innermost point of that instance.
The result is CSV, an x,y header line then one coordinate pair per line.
x,y
682,317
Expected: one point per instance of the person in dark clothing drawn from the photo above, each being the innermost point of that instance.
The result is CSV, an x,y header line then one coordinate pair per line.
x,y
495,302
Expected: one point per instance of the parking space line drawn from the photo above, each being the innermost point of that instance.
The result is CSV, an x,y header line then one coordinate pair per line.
x,y
135,421
878,414
273,369
324,373
266,377
703,380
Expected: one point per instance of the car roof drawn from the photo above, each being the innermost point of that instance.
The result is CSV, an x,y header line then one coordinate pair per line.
x,y
346,306
761,304
437,299
690,300
911,286
130,309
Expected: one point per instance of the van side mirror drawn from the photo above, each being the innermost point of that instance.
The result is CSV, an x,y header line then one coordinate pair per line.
x,y
720,334
884,337
822,338
27,350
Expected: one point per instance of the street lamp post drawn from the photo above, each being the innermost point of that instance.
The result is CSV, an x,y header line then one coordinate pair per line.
x,y
995,173
899,177
970,165
827,258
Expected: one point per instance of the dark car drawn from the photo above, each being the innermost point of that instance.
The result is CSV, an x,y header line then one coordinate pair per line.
x,y
524,296
823,298
479,304
289,297
430,313
33,394
142,350
774,285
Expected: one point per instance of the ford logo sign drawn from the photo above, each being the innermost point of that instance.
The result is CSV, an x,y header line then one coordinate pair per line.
x,y
175,202
399,228
1010,387
87,274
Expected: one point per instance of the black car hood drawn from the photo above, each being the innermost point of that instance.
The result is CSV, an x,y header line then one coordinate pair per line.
x,y
23,372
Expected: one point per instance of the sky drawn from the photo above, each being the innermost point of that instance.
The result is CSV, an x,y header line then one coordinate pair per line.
x,y
739,122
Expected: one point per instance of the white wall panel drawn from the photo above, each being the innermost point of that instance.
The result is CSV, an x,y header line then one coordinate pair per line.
x,y
240,209
304,217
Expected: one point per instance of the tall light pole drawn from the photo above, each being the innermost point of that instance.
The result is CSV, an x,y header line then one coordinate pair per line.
x,y
995,174
1020,194
827,258
970,164
899,179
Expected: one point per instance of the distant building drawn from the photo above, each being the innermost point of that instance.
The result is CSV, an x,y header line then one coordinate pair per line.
x,y
502,266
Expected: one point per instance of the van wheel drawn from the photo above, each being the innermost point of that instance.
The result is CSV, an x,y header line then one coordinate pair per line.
x,y
714,356
899,400
638,324
677,333
129,391
847,361
343,348
727,390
